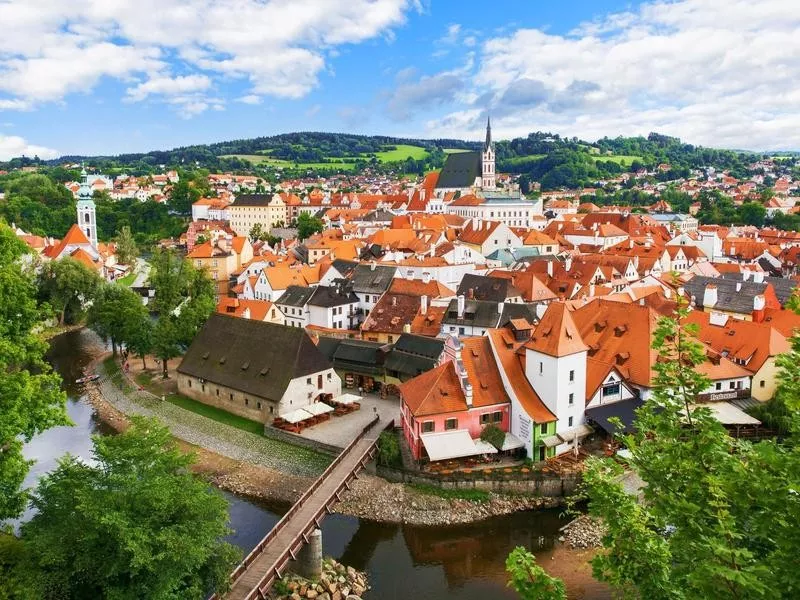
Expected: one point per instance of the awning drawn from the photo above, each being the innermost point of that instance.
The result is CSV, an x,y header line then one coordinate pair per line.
x,y
552,441
296,416
484,447
318,408
346,399
512,442
580,431
728,414
624,410
451,444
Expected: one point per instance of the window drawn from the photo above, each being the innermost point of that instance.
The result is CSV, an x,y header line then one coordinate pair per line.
x,y
497,417
217,391
571,376
450,424
610,390
761,383
308,381
486,418
319,381
190,383
231,396
246,402
733,385
427,427
390,338
718,386
330,377
203,387
569,422
571,398
541,368
460,331
259,405
543,428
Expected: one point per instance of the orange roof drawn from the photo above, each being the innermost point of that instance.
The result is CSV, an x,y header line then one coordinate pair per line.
x,y
435,392
417,287
513,365
468,200
477,232
259,309
556,334
537,238
74,237
84,257
487,386
430,323
282,277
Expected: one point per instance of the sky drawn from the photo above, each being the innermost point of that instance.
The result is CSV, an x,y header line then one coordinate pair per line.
x,y
113,76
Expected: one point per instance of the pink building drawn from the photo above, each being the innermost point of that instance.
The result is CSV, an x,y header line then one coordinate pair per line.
x,y
443,413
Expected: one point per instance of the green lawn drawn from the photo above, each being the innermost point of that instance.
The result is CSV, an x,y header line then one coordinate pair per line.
x,y
216,414
624,160
128,279
519,160
400,153
454,150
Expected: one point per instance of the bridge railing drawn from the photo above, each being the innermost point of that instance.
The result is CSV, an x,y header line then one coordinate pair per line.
x,y
256,552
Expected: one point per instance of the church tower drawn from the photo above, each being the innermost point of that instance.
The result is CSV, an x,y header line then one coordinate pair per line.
x,y
487,160
87,219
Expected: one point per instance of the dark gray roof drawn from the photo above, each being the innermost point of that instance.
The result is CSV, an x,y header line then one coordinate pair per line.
x,y
518,311
460,170
344,267
783,287
419,345
379,215
253,200
408,364
624,410
477,313
493,289
334,295
369,280
354,355
254,357
728,297
296,295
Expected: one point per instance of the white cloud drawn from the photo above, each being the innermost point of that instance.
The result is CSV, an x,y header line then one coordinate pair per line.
x,y
53,48
12,146
250,99
711,74
169,86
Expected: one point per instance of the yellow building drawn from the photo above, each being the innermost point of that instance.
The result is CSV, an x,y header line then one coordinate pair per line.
x,y
251,209
222,257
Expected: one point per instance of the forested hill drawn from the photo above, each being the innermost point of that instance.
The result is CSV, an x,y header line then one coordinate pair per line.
x,y
548,158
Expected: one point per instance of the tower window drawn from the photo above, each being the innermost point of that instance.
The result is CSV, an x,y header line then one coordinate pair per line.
x,y
86,217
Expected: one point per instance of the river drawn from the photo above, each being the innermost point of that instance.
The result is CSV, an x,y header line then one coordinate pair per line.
x,y
464,562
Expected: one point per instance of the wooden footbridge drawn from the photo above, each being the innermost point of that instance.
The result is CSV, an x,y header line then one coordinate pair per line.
x,y
254,576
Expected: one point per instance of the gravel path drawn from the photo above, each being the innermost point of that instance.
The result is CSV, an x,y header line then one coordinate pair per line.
x,y
207,433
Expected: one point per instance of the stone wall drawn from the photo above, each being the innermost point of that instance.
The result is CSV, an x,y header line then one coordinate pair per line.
x,y
233,401
298,440
537,484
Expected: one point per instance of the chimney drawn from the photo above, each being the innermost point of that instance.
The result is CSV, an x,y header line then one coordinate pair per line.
x,y
407,328
433,249
422,194
468,394
476,224
738,286
394,300
746,275
461,306
500,306
471,293
710,295
424,305
591,290
758,277
426,277
568,263
246,313
549,268
372,266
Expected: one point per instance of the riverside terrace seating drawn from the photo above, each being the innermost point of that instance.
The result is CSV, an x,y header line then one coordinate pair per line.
x,y
300,418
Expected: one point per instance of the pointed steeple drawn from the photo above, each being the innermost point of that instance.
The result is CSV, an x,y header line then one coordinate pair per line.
x,y
488,143
556,334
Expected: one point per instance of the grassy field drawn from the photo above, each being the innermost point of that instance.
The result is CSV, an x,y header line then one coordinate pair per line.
x,y
624,160
519,160
454,150
128,279
400,153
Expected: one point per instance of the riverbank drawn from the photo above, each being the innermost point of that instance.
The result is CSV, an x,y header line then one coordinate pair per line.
x,y
221,463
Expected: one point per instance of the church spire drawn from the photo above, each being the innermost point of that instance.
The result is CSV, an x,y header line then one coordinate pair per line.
x,y
488,134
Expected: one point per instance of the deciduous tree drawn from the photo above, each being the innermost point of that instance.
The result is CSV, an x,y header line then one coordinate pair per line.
x,y
127,251
68,286
116,314
134,524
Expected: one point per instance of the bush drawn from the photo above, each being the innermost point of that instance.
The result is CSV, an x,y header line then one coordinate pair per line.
x,y
493,435
389,450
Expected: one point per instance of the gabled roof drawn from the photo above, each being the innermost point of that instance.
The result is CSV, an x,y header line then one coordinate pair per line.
x,y
460,170
254,357
487,386
252,200
296,295
557,335
481,287
435,392
372,279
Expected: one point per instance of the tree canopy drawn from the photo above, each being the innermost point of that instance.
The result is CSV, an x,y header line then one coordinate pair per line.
x,y
135,523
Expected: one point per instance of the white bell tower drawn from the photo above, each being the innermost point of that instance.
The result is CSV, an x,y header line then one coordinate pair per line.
x,y
488,181
87,218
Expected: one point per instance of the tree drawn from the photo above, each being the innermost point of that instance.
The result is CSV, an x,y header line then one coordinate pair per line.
x,y
68,285
493,435
116,314
136,524
752,213
31,400
308,225
717,515
257,233
127,252
141,341
184,299
530,580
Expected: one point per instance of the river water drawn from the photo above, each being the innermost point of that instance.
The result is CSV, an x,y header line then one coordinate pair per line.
x,y
464,562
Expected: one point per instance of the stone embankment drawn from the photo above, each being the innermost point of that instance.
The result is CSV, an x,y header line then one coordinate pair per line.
x,y
583,532
337,582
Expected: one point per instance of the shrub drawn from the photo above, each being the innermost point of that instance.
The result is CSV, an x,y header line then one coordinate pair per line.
x,y
493,435
389,450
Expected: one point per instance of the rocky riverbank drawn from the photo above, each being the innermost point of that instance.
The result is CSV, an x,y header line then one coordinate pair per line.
x,y
583,532
337,582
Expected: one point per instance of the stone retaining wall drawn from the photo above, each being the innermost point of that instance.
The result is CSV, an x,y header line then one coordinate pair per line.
x,y
298,440
550,486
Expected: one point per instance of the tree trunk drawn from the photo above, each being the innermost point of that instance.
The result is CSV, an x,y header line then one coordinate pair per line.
x,y
144,363
166,371
61,316
113,348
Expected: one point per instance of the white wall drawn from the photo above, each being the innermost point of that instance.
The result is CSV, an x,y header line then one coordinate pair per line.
x,y
298,390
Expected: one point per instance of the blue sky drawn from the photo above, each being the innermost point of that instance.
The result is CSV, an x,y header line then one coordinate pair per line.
x,y
102,76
